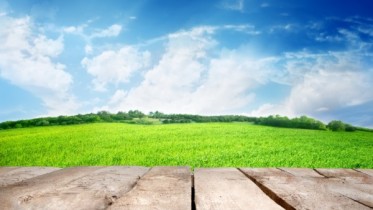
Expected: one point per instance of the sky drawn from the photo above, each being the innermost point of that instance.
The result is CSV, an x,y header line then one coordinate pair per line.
x,y
246,57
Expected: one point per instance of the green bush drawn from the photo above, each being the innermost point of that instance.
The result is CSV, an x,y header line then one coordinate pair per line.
x,y
336,125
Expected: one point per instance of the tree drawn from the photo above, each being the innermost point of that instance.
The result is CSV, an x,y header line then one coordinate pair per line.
x,y
336,125
135,114
105,116
42,122
350,128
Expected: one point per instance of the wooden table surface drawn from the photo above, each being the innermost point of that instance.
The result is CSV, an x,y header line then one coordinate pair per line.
x,y
130,187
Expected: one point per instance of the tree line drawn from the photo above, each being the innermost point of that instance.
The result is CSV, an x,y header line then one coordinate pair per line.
x,y
305,122
102,116
137,117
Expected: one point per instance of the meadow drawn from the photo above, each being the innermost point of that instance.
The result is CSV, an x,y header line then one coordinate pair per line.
x,y
194,144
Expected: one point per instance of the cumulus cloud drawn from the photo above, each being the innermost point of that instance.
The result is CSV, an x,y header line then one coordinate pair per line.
x,y
47,47
322,83
230,81
172,79
26,61
321,91
115,66
189,78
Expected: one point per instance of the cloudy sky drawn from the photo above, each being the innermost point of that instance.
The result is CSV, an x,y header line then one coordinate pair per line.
x,y
250,57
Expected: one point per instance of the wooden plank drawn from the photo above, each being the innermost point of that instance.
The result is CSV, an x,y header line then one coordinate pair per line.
x,y
362,193
307,192
228,188
302,172
264,172
366,171
72,188
339,172
161,188
11,175
348,175
352,184
7,169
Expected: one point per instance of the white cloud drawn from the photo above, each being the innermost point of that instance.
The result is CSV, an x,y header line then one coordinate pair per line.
x,y
132,17
229,85
112,31
77,30
321,83
88,49
25,60
248,29
322,91
189,79
322,37
117,97
115,66
171,80
47,47
237,5
70,29
289,27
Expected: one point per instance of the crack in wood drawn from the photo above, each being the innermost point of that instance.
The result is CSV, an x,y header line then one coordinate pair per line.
x,y
193,194
321,174
361,172
285,171
111,200
277,199
359,202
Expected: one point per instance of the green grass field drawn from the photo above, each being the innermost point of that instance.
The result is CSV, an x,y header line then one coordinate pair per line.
x,y
195,145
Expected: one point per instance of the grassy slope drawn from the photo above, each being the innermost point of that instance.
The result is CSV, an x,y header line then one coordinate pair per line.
x,y
196,145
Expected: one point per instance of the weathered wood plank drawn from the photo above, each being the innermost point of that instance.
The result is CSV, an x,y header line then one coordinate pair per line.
x,y
348,175
305,192
161,188
366,171
11,175
263,172
352,184
72,188
362,193
6,169
228,188
302,172
340,172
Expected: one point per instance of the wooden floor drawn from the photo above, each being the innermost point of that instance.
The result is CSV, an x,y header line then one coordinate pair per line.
x,y
163,188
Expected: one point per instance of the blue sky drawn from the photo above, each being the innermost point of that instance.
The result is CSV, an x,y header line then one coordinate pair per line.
x,y
250,57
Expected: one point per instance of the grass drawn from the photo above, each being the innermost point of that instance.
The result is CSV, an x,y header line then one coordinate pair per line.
x,y
195,145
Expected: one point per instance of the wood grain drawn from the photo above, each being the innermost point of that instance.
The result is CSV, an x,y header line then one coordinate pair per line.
x,y
306,192
11,175
163,188
228,188
72,188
